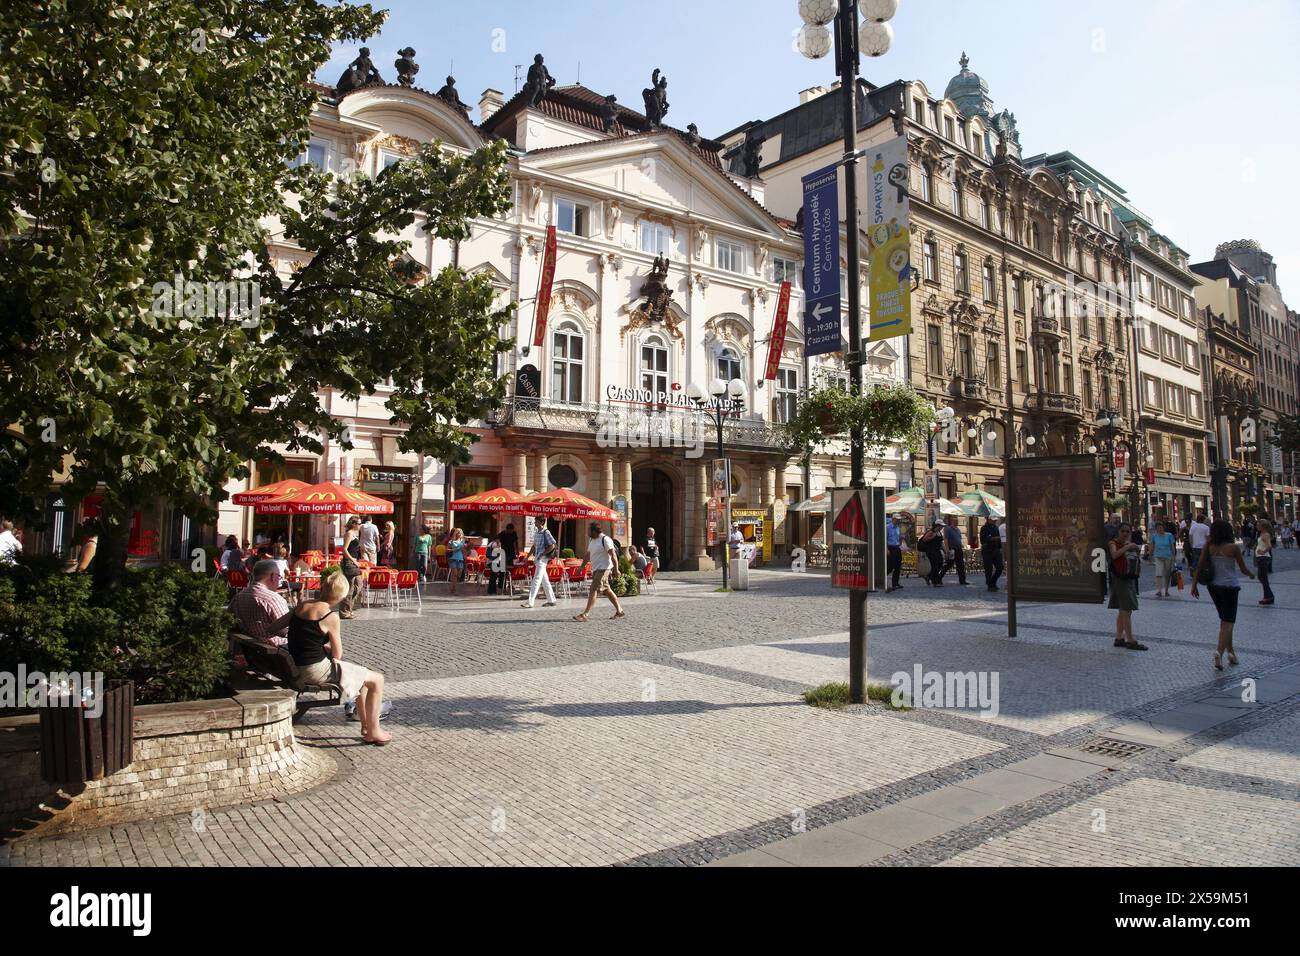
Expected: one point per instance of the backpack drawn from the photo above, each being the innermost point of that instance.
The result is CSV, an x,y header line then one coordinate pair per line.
x,y
618,551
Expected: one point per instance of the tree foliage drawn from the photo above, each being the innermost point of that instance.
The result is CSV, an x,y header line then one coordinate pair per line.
x,y
148,140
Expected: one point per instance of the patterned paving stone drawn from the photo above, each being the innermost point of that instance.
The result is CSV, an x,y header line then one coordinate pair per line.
x,y
1152,823
1271,751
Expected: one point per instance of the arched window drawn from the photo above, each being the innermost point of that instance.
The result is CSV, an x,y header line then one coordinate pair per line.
x,y
994,447
568,352
654,365
728,364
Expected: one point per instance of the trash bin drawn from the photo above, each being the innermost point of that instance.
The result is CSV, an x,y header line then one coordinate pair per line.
x,y
76,747
739,574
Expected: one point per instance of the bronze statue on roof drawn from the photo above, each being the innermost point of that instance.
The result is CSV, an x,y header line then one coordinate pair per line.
x,y
449,93
609,113
539,82
360,72
656,99
406,66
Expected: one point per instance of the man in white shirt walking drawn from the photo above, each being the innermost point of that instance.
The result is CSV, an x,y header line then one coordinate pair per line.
x,y
602,557
368,534
542,549
1198,532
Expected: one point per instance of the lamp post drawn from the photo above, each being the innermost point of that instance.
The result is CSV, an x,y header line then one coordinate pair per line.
x,y
724,399
850,39
1109,421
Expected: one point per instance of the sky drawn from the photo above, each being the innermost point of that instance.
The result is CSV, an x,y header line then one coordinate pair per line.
x,y
1189,105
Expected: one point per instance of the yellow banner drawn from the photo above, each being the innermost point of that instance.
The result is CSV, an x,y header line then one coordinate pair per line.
x,y
890,240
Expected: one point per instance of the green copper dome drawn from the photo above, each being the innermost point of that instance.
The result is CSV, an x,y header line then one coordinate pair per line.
x,y
969,91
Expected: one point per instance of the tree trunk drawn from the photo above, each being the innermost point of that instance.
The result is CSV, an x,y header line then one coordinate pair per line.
x,y
110,556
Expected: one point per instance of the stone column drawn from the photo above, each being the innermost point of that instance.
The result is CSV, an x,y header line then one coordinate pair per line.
x,y
625,488
521,472
541,482
769,486
695,500
607,480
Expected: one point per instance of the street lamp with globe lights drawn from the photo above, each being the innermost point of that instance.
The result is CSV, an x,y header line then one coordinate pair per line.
x,y
850,40
723,400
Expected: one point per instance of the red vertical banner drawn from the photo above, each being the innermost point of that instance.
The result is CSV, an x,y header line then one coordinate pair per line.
x,y
544,289
776,343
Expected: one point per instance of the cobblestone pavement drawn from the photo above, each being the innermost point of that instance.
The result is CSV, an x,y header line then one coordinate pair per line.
x,y
677,736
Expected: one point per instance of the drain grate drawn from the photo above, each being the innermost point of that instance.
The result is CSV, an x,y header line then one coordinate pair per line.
x,y
1110,747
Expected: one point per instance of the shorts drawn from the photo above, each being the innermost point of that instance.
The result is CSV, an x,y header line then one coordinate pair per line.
x,y
349,676
1225,602
1164,566
600,582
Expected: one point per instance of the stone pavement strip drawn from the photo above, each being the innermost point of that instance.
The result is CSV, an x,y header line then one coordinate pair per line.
x,y
677,737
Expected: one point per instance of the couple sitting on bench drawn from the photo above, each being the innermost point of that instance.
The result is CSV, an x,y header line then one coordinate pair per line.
x,y
312,637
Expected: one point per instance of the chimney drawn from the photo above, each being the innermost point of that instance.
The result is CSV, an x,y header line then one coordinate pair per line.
x,y
489,103
810,94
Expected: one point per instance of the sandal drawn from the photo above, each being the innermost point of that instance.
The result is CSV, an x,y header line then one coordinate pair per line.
x,y
1135,646
617,615
1120,643
581,617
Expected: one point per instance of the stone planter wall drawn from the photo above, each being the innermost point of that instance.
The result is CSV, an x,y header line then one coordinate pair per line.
x,y
188,756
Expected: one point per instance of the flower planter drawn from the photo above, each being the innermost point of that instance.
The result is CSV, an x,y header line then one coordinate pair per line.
x,y
826,419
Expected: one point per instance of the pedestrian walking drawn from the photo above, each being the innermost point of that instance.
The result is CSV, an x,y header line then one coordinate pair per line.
x,y
457,549
1163,545
510,544
423,548
933,547
1217,570
601,555
1198,533
894,547
1285,535
1249,534
1125,566
953,541
369,537
387,555
1264,559
350,568
991,552
542,548
496,557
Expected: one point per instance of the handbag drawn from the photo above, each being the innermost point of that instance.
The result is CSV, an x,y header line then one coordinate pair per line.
x,y
922,564
1205,576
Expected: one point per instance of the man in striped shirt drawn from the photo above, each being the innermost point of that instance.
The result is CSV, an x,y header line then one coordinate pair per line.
x,y
263,614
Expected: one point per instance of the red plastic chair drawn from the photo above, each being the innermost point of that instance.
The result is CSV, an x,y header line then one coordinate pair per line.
x,y
441,572
408,582
519,572
378,580
648,577
237,580
559,576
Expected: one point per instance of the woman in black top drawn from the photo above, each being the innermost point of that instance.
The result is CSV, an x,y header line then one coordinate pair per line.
x,y
316,645
932,546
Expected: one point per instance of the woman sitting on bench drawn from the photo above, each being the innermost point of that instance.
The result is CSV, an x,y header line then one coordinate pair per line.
x,y
316,643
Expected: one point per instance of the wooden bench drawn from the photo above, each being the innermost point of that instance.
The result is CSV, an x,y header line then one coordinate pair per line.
x,y
276,665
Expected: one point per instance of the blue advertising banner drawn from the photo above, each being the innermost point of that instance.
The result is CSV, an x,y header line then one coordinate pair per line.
x,y
821,258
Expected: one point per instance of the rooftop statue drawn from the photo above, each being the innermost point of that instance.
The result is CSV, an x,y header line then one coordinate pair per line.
x,y
539,82
656,99
406,66
360,72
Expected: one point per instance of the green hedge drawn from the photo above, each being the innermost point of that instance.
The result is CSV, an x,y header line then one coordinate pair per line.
x,y
164,628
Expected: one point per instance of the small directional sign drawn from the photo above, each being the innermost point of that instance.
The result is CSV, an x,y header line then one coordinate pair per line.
x,y
821,256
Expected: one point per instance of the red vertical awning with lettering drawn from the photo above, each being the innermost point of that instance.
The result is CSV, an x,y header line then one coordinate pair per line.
x,y
543,306
776,344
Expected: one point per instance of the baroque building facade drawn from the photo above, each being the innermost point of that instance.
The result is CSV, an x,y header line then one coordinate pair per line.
x,y
600,405
1018,272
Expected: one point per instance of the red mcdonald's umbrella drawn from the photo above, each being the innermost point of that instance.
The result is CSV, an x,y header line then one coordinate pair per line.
x,y
496,501
563,503
327,498
266,492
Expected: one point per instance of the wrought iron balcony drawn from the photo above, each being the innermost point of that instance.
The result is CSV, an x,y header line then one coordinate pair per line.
x,y
1045,401
652,421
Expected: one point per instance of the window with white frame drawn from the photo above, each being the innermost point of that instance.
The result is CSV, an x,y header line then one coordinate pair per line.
x,y
728,363
654,365
961,278
568,352
571,217
984,212
1174,401
655,238
956,198
1191,354
1177,453
1151,391
1194,405
930,256
784,270
316,154
927,189
787,393
729,255
990,283
387,159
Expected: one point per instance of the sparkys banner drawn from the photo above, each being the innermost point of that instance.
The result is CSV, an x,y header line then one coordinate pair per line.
x,y
890,241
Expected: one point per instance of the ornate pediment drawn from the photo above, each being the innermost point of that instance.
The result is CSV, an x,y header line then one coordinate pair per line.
x,y
728,327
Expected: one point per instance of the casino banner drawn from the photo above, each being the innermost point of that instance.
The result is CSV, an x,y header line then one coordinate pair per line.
x,y
543,307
